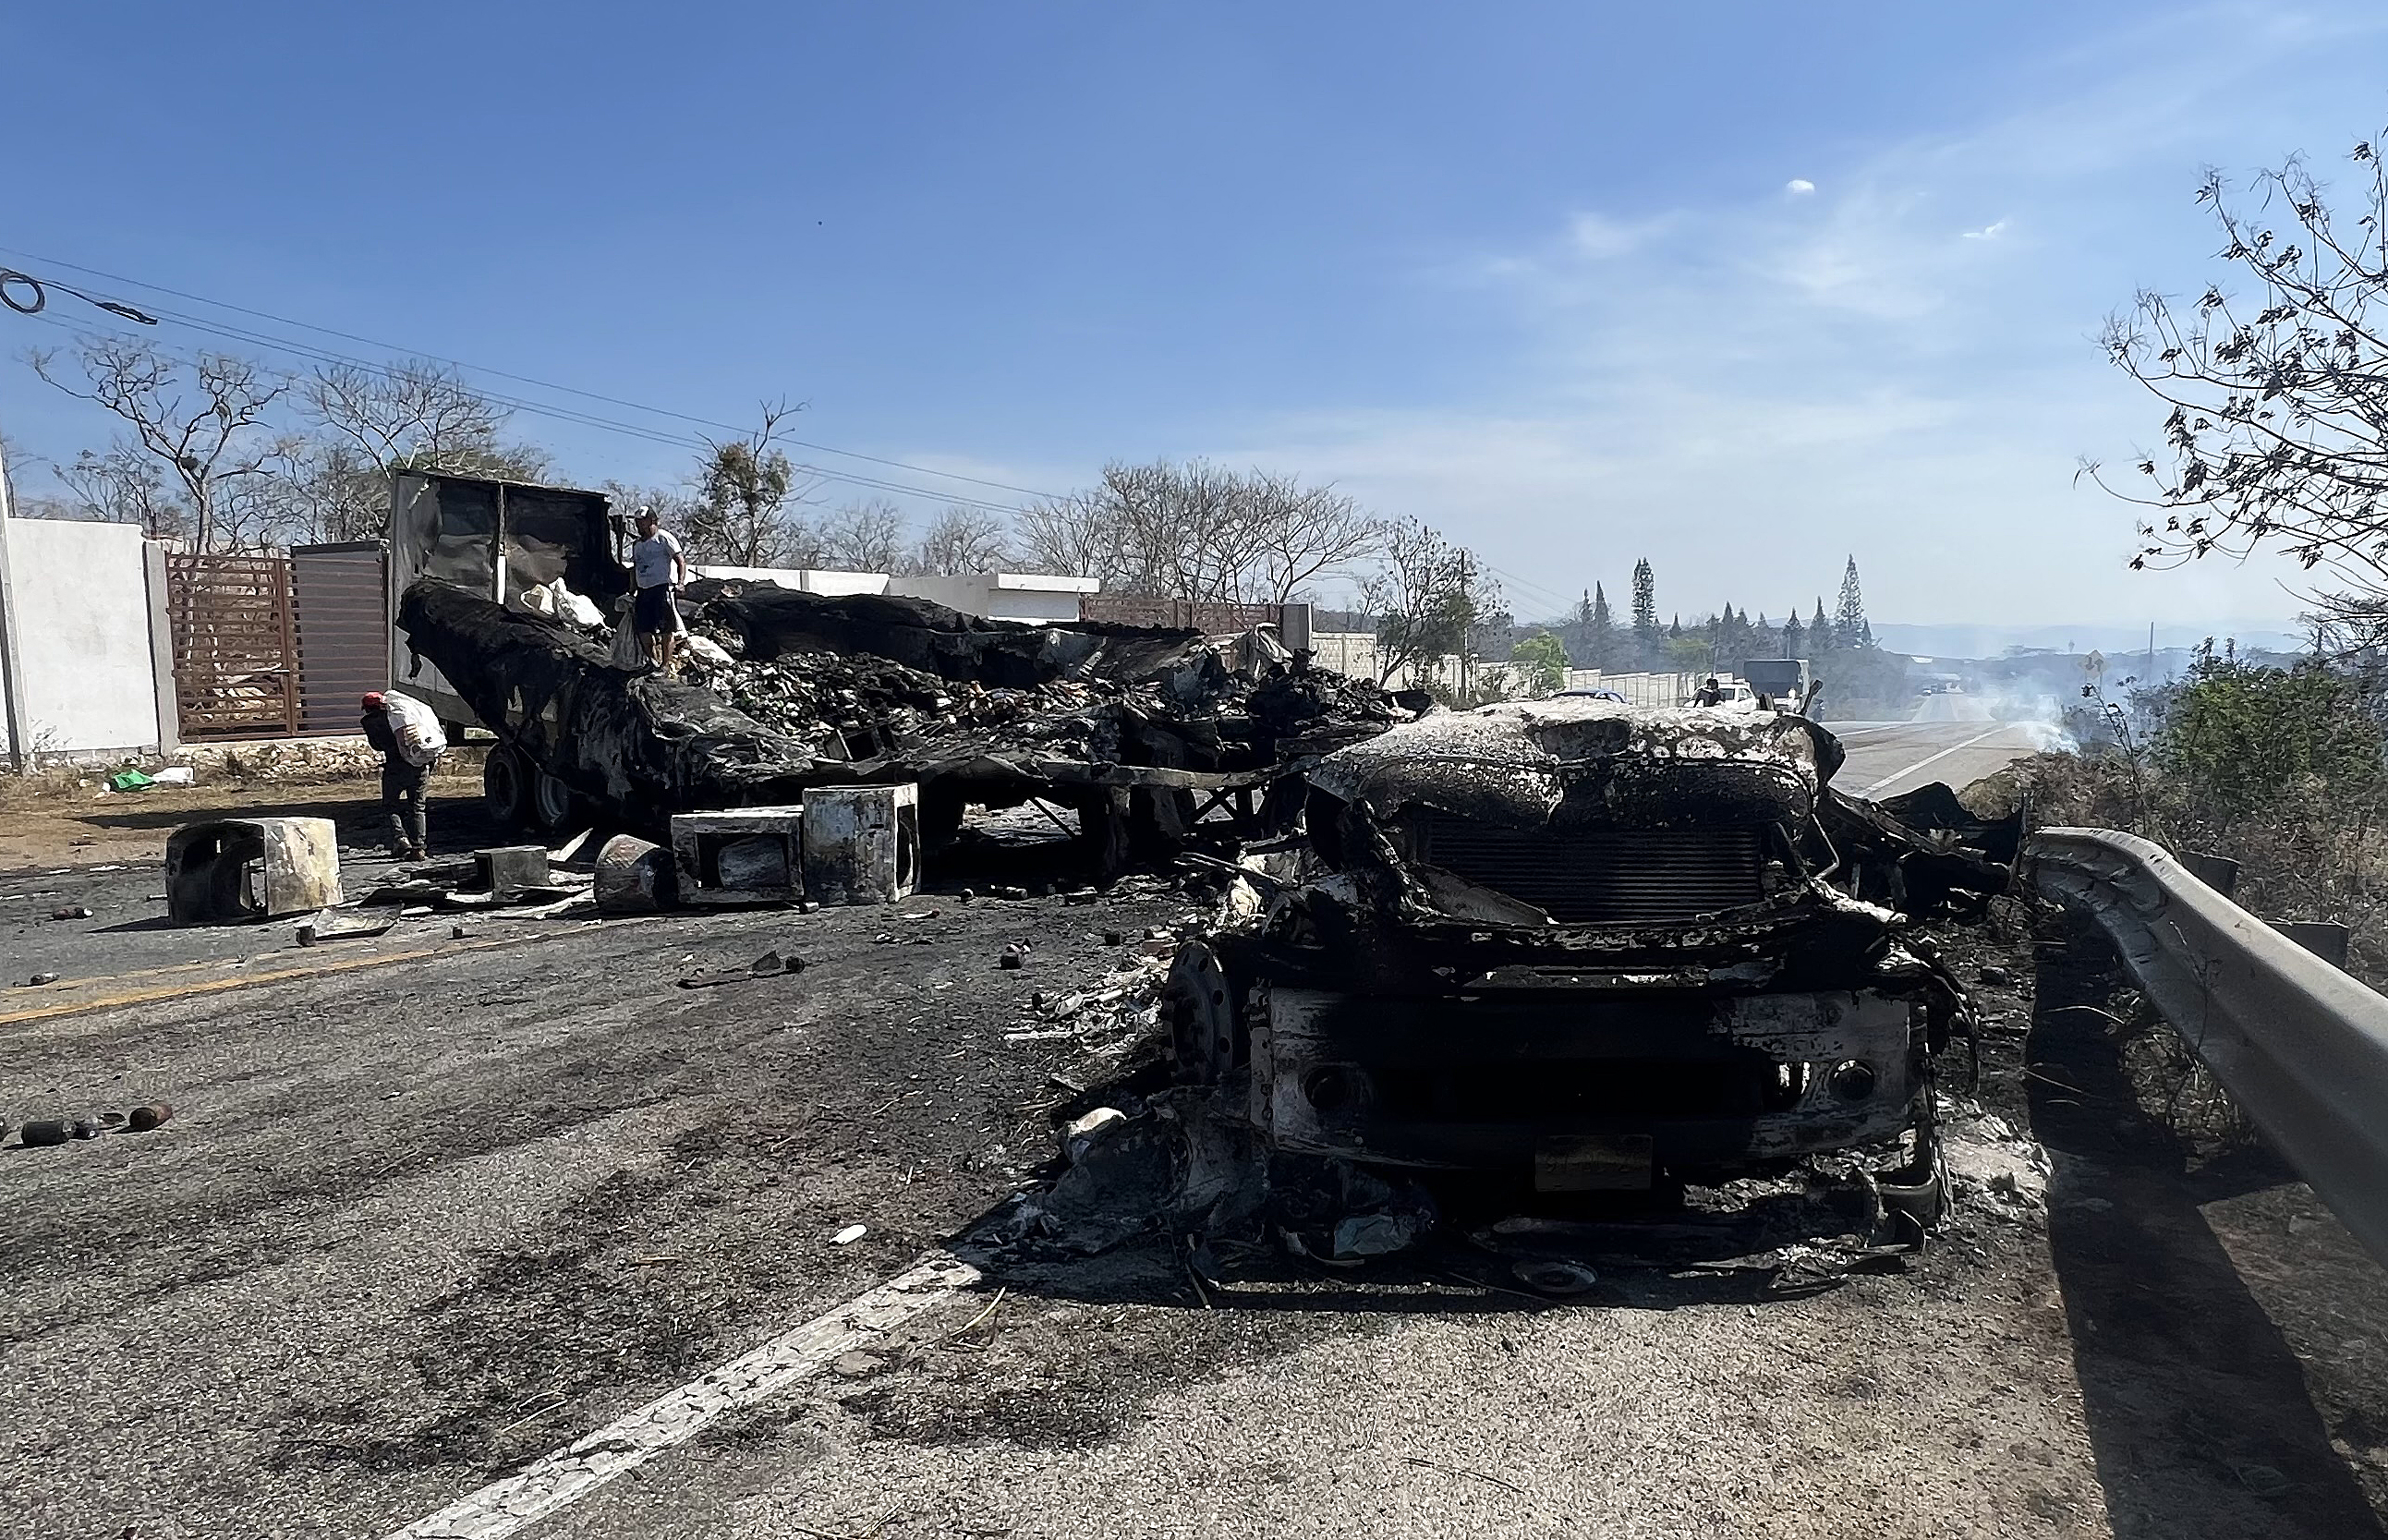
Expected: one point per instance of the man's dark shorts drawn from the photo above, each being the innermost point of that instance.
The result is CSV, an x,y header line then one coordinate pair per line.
x,y
655,615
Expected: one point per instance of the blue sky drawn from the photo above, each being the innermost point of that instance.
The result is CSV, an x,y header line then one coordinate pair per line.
x,y
1741,287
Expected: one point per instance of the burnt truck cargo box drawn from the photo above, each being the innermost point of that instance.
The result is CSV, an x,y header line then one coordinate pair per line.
x,y
492,539
235,870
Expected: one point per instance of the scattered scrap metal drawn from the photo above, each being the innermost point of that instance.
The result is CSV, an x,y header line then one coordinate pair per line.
x,y
40,1132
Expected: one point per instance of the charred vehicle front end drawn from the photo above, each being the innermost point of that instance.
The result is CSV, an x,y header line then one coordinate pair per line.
x,y
1591,945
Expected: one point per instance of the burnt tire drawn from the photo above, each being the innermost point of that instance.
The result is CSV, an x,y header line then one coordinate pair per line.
x,y
506,787
1201,1012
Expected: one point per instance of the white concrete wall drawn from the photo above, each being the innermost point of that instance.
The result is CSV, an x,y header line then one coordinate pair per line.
x,y
1353,653
1643,689
1033,597
804,579
82,631
1027,596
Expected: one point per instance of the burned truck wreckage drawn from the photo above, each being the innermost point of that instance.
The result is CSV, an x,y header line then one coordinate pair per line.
x,y
1142,731
1573,945
1590,948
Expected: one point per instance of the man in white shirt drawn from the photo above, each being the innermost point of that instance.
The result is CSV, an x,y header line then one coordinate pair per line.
x,y
658,569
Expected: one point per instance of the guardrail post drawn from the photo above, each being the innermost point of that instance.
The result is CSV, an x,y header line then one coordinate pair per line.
x,y
2326,939
2218,873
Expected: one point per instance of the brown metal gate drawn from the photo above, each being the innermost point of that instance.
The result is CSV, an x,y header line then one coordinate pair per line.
x,y
342,602
236,646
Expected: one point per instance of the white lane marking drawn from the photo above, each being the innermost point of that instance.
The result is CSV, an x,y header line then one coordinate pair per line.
x,y
1935,759
572,1472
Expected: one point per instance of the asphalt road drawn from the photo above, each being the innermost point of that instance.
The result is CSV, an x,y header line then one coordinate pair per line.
x,y
415,1225
1951,738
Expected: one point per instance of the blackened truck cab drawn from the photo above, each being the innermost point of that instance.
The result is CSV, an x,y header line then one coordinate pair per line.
x,y
1592,945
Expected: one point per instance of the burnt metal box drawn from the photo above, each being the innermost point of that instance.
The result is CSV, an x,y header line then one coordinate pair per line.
x,y
862,844
739,856
511,867
239,869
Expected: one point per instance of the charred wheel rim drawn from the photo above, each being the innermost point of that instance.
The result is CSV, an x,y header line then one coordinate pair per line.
x,y
1198,1005
553,802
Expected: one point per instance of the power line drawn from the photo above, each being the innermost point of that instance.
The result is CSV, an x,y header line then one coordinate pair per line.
x,y
1532,591
561,413
527,379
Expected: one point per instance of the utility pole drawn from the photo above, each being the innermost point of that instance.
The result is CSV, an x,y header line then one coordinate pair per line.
x,y
1467,624
12,665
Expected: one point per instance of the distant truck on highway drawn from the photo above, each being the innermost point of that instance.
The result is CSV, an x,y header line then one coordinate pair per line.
x,y
1781,680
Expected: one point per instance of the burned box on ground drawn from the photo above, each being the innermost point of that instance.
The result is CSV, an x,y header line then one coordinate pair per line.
x,y
1586,945
243,869
745,855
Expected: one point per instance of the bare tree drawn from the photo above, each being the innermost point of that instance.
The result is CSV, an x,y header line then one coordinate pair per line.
x,y
864,537
2277,429
741,515
125,486
1426,597
1201,533
203,416
364,423
674,508
961,540
1298,533
1072,536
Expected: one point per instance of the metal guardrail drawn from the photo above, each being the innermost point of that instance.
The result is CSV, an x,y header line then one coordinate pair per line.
x,y
2302,1047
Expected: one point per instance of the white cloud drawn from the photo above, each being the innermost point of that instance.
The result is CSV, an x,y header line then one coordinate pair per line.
x,y
1744,392
1600,237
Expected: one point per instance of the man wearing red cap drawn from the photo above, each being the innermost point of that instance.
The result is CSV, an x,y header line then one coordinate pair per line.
x,y
409,740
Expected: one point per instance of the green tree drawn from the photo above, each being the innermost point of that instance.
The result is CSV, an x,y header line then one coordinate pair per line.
x,y
1645,614
1600,633
2239,739
1545,657
1427,595
1849,628
742,517
1795,636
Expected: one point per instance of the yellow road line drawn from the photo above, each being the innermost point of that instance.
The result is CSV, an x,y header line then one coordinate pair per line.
x,y
152,993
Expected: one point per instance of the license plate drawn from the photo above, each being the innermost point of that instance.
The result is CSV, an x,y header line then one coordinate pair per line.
x,y
1592,1162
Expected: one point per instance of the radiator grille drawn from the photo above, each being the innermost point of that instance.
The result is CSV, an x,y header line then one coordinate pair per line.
x,y
1603,877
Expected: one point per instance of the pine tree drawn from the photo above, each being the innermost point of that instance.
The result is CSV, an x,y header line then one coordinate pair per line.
x,y
1645,614
1600,633
1820,631
1795,638
1849,628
